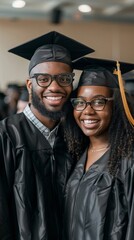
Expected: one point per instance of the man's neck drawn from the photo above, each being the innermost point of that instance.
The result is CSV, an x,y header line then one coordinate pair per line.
x,y
48,122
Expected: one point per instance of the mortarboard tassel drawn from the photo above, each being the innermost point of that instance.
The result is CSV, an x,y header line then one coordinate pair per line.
x,y
123,96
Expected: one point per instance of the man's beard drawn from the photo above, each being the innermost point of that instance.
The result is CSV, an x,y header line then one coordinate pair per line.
x,y
43,111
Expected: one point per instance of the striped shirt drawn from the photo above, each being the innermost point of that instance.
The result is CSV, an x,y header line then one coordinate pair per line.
x,y
49,135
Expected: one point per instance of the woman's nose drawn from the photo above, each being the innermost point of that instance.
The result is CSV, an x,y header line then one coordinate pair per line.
x,y
88,110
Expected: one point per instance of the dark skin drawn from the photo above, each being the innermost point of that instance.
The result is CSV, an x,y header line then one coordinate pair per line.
x,y
94,124
52,97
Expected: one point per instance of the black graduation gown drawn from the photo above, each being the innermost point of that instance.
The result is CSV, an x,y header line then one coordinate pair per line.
x,y
98,206
32,181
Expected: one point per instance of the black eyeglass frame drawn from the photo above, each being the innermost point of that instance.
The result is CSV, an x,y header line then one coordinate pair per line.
x,y
90,103
54,78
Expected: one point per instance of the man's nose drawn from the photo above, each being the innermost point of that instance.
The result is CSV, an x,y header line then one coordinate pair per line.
x,y
54,84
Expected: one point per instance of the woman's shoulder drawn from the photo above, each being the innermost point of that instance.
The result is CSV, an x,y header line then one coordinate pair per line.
x,y
127,164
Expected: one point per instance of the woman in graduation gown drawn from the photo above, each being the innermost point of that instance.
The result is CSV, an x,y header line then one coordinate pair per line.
x,y
100,192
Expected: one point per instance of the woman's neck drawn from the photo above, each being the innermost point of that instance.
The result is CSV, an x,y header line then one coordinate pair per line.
x,y
99,142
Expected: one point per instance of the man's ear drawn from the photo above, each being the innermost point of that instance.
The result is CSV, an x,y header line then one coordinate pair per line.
x,y
29,85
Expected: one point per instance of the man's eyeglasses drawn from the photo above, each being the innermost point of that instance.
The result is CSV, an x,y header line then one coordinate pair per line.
x,y
97,104
63,79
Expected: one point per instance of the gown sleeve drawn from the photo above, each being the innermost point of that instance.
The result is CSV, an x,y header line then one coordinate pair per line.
x,y
6,155
129,191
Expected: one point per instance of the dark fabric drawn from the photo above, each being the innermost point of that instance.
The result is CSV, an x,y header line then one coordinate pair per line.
x,y
99,206
111,65
32,181
50,53
73,48
98,76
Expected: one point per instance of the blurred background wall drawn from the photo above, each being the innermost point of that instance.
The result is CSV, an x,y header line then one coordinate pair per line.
x,y
111,40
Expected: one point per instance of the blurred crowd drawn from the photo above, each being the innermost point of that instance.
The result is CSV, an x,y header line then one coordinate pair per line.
x,y
13,100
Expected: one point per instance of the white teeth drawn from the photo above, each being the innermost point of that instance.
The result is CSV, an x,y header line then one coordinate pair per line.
x,y
54,98
89,121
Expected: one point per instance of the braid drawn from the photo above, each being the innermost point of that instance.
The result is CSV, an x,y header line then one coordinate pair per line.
x,y
74,137
120,134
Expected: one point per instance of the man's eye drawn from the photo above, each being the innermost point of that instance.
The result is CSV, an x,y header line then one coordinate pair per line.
x,y
62,79
43,79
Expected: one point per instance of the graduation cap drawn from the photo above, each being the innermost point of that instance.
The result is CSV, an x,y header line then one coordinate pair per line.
x,y
88,62
51,47
103,72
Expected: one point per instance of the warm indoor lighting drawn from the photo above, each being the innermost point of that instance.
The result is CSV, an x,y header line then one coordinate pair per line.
x,y
84,8
18,4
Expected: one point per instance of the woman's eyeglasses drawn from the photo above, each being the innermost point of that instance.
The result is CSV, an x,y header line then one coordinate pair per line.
x,y
97,104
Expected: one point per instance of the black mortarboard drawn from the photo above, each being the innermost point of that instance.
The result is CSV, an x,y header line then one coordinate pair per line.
x,y
98,76
52,46
100,72
103,72
87,62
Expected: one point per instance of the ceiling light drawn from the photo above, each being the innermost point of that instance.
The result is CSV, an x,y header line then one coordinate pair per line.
x,y
18,4
84,8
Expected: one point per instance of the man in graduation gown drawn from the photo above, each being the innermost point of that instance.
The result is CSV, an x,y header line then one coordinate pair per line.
x,y
34,162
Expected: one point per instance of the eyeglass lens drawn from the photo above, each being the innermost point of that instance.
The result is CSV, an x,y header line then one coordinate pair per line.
x,y
45,80
96,104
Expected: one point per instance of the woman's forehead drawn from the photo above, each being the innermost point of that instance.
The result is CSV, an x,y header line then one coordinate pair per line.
x,y
93,89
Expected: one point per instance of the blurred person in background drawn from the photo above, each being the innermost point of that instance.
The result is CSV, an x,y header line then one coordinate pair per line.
x,y
3,106
23,100
129,85
12,95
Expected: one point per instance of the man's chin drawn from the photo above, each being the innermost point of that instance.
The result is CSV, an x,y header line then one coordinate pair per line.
x,y
52,114
57,115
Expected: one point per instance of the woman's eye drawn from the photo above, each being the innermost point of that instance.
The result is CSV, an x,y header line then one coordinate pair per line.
x,y
98,102
80,103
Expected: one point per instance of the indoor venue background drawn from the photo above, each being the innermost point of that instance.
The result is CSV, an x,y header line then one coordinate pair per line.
x,y
108,28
